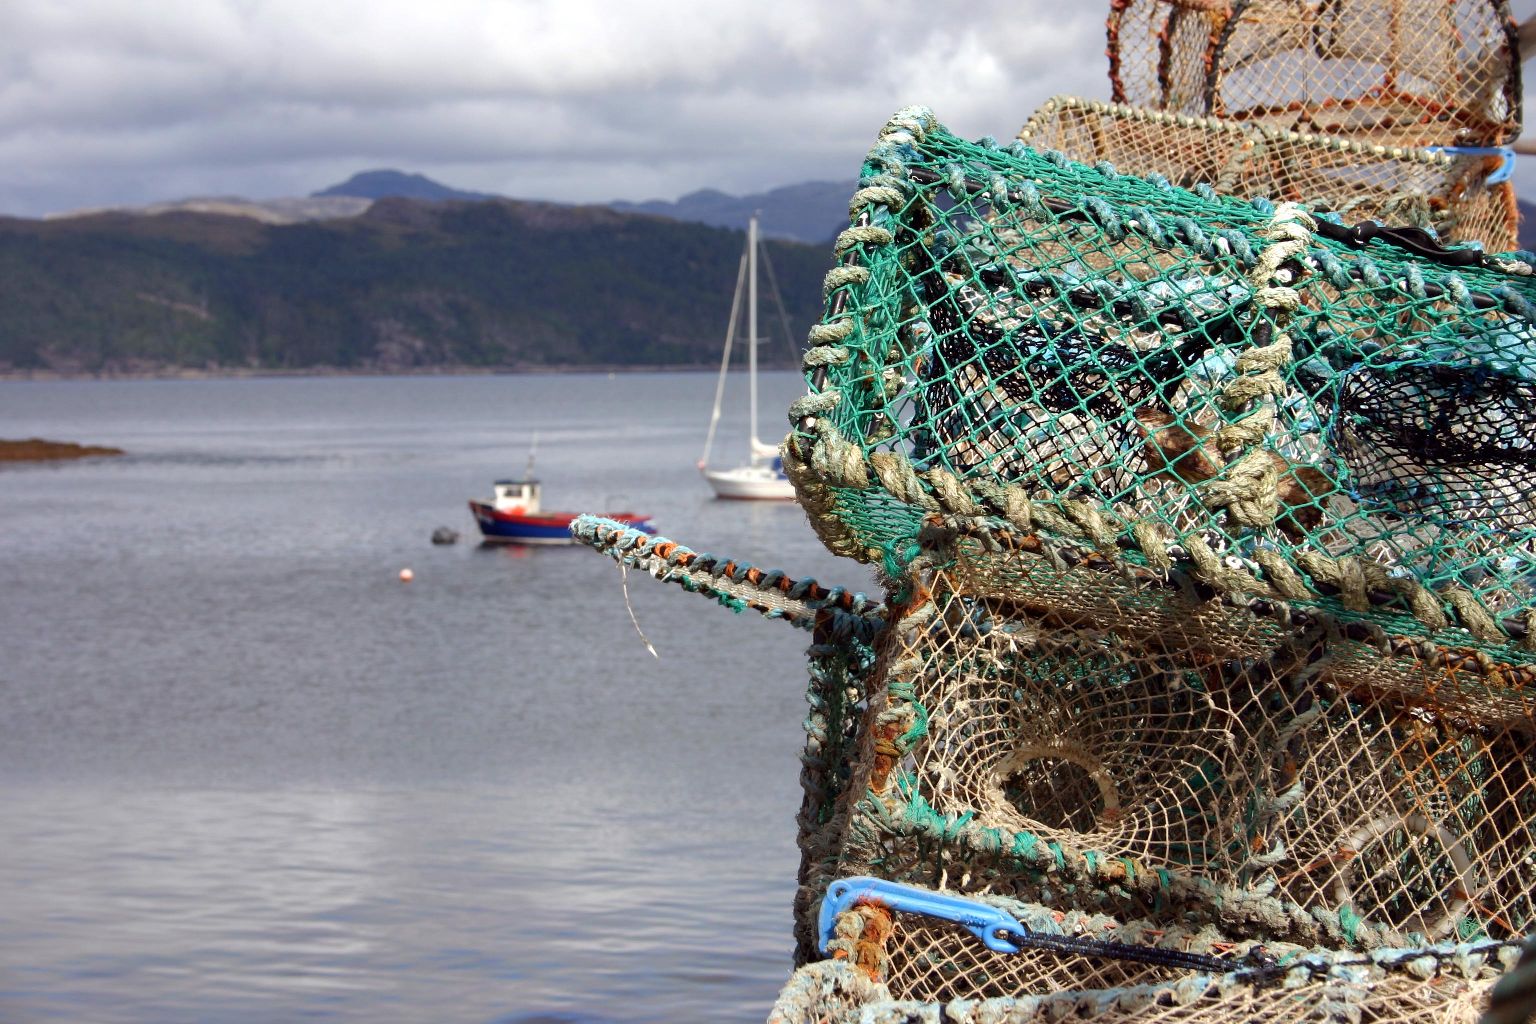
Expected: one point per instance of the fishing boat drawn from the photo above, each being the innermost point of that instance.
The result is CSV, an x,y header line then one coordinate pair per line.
x,y
761,477
514,515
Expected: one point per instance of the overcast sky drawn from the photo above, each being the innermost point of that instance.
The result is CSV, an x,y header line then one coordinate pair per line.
x,y
131,101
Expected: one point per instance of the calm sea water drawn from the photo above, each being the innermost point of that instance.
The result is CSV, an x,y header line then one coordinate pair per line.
x,y
249,775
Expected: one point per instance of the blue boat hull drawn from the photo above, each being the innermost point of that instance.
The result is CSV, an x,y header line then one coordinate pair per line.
x,y
546,528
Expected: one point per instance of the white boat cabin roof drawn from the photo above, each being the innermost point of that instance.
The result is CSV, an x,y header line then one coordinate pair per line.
x,y
517,495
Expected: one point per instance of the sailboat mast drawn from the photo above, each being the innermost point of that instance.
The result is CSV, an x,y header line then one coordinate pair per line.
x,y
725,358
752,332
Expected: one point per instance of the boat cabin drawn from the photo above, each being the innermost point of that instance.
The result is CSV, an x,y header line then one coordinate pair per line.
x,y
516,496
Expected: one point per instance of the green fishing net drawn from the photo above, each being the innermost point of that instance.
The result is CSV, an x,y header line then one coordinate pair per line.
x,y
1280,405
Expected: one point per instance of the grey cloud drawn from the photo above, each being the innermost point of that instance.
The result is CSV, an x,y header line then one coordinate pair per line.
x,y
106,102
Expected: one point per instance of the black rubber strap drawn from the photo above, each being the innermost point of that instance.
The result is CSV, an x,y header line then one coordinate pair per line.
x,y
1255,963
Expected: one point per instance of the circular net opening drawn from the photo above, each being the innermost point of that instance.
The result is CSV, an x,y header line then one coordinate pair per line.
x,y
1058,791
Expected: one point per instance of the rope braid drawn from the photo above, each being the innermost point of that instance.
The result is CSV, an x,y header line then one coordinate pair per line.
x,y
734,584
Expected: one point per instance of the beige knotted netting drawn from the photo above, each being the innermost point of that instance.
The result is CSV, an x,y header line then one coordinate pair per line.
x,y
1332,102
1103,786
1445,191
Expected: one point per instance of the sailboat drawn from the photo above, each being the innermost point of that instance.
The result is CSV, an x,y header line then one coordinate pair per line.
x,y
761,478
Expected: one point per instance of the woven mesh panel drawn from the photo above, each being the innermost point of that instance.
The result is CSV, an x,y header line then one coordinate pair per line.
x,y
1083,770
1443,192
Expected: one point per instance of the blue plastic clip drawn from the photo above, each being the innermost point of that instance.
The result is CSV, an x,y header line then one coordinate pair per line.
x,y
992,926
1501,174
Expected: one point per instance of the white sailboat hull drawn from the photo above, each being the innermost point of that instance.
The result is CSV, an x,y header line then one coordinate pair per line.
x,y
750,483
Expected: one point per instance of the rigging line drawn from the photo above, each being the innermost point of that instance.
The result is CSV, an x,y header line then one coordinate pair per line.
x,y
725,361
778,300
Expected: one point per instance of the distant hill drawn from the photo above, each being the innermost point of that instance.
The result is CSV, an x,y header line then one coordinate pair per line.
x,y
388,184
407,285
812,212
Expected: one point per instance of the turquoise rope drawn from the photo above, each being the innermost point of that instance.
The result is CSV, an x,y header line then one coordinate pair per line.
x,y
735,584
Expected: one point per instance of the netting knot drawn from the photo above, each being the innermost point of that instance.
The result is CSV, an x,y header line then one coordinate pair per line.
x,y
826,355
951,495
913,123
837,277
875,195
814,405
897,476
1249,490
866,235
837,460
1289,234
830,333
1476,618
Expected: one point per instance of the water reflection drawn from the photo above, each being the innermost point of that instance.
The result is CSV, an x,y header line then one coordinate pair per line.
x,y
237,905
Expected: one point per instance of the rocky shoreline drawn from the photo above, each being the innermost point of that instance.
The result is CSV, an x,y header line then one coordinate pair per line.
x,y
35,449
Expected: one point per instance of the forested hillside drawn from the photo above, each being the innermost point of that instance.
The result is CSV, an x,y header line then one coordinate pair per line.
x,y
407,285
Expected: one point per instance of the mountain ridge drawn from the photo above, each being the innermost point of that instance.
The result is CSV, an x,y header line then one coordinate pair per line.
x,y
392,184
400,285
809,212
408,285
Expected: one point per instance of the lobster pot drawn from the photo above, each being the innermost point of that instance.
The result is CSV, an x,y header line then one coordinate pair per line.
x,y
1384,72
1072,764
1447,193
1158,51
1146,394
